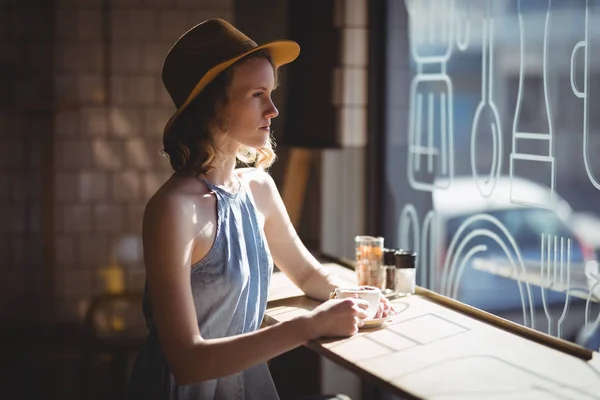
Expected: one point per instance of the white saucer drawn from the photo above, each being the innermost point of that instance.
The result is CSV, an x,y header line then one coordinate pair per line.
x,y
375,322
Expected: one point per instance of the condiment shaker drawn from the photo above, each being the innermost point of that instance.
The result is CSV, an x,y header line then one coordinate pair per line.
x,y
405,272
389,271
369,259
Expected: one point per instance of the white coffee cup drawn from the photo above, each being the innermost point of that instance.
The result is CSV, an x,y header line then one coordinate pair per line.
x,y
369,293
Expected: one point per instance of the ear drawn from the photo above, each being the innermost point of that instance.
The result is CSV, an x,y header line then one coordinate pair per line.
x,y
222,123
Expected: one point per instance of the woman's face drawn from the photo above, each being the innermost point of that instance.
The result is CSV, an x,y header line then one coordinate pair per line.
x,y
250,109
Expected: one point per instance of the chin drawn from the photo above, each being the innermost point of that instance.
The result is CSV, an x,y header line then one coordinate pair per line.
x,y
257,142
261,143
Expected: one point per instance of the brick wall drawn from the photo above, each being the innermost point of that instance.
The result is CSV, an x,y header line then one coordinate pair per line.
x,y
109,132
343,170
86,74
25,126
85,93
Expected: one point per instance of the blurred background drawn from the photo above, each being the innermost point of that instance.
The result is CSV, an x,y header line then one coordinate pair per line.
x,y
465,130
82,110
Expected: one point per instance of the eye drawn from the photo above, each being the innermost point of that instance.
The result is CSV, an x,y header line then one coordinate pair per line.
x,y
258,94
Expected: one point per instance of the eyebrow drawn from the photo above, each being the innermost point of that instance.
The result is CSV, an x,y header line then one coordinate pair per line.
x,y
264,88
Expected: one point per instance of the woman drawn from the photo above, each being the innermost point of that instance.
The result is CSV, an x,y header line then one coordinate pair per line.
x,y
212,231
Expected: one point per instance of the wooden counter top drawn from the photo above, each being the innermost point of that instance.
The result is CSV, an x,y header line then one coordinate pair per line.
x,y
430,351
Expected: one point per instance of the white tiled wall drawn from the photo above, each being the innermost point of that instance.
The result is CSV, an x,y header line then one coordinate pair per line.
x,y
107,161
343,170
350,79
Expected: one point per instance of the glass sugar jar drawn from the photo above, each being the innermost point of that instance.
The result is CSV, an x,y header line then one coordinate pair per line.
x,y
405,272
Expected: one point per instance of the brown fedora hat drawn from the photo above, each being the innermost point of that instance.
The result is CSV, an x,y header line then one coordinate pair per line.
x,y
207,50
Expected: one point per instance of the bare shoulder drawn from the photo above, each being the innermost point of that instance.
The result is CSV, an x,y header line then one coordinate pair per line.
x,y
177,195
181,203
260,182
262,186
255,176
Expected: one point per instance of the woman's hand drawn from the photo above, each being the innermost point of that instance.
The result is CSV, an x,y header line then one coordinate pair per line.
x,y
338,317
385,308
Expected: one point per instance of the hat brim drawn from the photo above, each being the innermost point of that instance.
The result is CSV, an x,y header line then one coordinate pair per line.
x,y
282,52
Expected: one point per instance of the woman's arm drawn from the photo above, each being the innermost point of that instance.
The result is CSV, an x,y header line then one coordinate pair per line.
x,y
169,236
288,251
214,358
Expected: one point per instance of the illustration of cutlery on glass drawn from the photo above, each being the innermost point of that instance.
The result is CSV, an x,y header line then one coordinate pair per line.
x,y
423,242
584,45
463,28
431,130
554,277
538,157
487,120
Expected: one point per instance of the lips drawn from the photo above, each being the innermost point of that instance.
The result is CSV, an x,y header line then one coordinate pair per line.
x,y
266,128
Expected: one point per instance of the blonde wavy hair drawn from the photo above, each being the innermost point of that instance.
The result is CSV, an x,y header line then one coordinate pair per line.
x,y
190,146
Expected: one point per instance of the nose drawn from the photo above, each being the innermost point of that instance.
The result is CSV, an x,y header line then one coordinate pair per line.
x,y
271,111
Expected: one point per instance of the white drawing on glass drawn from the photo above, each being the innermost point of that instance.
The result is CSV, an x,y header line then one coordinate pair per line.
x,y
584,44
424,248
463,35
409,218
428,259
486,105
452,272
431,127
554,277
523,159
592,273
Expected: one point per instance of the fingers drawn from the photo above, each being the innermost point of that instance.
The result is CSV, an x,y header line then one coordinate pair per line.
x,y
359,322
388,308
361,313
382,308
357,307
391,310
362,303
386,304
352,302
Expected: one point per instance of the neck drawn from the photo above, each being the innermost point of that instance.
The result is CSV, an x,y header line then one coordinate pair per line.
x,y
222,173
224,166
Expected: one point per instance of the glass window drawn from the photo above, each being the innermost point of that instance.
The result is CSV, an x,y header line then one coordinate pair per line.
x,y
491,168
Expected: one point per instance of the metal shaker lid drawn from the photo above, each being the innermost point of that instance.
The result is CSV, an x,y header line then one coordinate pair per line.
x,y
405,259
389,256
